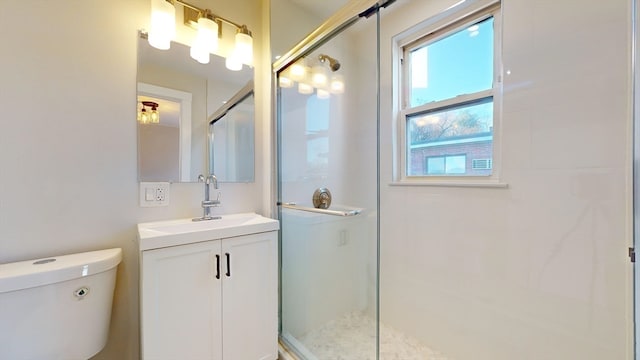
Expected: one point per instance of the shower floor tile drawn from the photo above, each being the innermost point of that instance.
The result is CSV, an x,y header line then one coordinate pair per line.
x,y
352,337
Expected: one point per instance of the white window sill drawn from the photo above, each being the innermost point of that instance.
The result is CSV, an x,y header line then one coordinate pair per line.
x,y
452,183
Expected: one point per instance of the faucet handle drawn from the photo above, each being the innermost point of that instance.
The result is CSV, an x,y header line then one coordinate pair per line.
x,y
211,203
200,178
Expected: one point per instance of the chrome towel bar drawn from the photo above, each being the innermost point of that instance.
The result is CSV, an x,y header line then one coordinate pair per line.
x,y
293,206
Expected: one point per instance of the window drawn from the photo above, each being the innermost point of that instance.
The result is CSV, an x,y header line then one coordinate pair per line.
x,y
448,99
454,164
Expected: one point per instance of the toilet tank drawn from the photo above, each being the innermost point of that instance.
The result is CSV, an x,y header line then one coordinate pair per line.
x,y
58,307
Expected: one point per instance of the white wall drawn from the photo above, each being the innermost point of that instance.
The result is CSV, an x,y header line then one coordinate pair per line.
x,y
158,151
68,178
537,270
290,23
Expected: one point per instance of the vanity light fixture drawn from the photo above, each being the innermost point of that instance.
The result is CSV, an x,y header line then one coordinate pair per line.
x,y
209,31
149,117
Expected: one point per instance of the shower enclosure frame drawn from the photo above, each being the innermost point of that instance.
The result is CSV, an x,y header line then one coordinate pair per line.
x,y
635,166
342,19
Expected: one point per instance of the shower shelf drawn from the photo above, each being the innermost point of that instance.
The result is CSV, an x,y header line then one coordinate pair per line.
x,y
348,212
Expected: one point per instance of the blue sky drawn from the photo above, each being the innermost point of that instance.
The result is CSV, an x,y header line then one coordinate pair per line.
x,y
461,63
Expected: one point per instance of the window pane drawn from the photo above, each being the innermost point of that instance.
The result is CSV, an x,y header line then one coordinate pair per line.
x,y
461,63
447,141
455,164
435,165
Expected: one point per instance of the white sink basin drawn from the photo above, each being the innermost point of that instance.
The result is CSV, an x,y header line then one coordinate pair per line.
x,y
154,235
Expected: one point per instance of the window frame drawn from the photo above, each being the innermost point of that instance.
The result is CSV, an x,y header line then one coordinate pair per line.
x,y
433,30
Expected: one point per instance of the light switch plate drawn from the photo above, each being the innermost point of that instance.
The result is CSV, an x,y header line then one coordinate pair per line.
x,y
154,194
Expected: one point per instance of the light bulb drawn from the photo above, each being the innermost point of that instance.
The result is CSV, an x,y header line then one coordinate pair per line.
x,y
206,40
319,76
337,84
322,94
233,63
154,116
244,46
304,88
163,24
298,70
285,82
144,116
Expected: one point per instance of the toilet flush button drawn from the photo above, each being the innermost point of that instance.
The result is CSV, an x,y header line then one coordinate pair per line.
x,y
81,292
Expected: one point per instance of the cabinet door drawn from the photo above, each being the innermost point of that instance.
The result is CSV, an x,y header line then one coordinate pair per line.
x,y
250,297
181,303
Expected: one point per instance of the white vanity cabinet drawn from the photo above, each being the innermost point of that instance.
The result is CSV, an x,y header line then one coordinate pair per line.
x,y
213,299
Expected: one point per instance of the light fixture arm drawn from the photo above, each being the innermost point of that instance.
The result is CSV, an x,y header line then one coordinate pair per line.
x,y
209,14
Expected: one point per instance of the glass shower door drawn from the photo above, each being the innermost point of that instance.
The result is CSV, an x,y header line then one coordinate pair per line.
x,y
328,191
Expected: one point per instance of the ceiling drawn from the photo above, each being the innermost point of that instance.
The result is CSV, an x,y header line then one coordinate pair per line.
x,y
324,8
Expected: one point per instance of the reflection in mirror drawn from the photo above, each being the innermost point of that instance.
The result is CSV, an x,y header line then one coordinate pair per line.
x,y
231,132
164,145
175,149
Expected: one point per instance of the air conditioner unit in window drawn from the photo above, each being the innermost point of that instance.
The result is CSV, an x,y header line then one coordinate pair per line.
x,y
481,164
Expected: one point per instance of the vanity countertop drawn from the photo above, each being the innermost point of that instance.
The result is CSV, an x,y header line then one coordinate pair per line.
x,y
160,234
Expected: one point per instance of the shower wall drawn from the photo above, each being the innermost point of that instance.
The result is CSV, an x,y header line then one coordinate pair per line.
x,y
537,270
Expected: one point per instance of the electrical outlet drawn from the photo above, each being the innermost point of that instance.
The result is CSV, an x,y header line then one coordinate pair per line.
x,y
154,194
160,195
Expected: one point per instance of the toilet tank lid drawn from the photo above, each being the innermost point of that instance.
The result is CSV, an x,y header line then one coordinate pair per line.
x,y
39,272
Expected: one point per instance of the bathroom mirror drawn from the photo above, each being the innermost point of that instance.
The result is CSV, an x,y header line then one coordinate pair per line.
x,y
185,94
231,131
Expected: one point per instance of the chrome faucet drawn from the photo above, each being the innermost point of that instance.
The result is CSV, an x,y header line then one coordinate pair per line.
x,y
207,204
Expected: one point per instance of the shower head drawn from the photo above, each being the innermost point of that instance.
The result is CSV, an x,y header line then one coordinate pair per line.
x,y
334,65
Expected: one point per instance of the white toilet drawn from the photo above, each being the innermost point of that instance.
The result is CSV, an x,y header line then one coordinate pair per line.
x,y
58,307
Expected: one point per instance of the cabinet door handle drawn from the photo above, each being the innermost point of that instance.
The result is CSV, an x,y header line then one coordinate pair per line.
x,y
217,266
228,264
